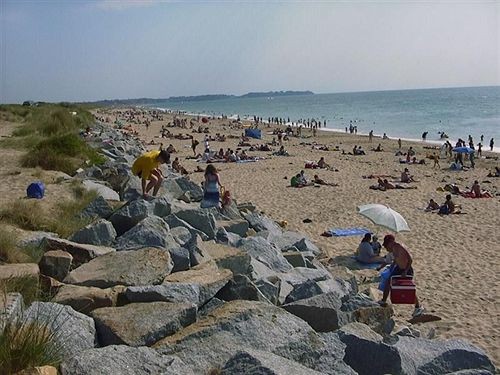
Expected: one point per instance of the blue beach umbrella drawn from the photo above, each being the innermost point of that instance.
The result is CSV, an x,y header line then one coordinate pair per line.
x,y
463,150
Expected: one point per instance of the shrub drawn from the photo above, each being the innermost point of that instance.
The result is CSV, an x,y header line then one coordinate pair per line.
x,y
27,344
28,286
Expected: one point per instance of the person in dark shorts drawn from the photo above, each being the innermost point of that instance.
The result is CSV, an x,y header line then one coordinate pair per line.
x,y
402,266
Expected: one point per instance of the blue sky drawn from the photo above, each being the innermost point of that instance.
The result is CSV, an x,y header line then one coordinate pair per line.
x,y
89,50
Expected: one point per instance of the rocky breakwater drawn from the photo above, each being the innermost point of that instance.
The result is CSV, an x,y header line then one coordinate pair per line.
x,y
164,286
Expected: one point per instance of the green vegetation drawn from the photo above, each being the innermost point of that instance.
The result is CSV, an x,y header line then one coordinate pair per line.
x,y
63,220
10,252
26,344
50,134
29,287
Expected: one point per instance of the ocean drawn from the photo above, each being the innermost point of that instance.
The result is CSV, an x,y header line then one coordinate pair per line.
x,y
402,114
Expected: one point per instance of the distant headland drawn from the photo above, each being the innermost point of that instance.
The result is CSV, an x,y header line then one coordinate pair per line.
x,y
198,98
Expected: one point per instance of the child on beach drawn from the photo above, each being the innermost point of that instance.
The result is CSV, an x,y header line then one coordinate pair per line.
x,y
211,188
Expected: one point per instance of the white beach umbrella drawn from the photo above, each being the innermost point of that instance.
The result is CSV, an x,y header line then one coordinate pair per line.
x,y
385,217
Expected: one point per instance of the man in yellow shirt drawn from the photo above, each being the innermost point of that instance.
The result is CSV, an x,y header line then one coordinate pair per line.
x,y
147,167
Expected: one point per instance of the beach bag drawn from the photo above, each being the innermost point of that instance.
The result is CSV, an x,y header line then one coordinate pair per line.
x,y
36,190
385,275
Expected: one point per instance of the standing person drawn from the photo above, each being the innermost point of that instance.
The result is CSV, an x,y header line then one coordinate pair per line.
x,y
194,143
479,149
436,161
211,188
402,265
147,168
424,136
492,143
399,143
370,136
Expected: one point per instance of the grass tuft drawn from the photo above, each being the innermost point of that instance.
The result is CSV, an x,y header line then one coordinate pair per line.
x,y
28,344
28,286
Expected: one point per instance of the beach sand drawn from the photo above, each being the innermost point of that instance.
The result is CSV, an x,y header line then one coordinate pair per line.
x,y
456,257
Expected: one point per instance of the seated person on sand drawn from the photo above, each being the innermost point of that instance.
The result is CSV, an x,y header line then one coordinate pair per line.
x,y
171,149
476,191
448,207
432,206
376,245
360,151
378,149
295,181
320,181
406,177
494,174
365,253
176,166
281,152
322,163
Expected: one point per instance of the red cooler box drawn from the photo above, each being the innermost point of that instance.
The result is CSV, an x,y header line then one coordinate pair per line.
x,y
403,290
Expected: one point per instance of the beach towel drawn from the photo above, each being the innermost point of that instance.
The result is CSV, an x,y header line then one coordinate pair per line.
x,y
348,232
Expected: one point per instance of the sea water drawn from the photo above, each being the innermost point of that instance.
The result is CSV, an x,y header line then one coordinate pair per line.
x,y
406,114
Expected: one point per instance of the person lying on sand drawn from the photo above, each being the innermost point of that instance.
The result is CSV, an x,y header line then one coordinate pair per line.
x,y
384,185
320,181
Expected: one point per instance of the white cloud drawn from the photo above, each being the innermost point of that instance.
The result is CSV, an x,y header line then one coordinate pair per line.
x,y
125,4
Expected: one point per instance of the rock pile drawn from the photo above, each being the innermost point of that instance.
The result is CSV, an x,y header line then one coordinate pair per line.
x,y
164,286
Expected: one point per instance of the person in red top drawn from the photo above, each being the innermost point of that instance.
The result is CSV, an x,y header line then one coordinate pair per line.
x,y
402,265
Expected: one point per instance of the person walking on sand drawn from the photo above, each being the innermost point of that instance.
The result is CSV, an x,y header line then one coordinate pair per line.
x,y
435,157
492,143
147,168
370,136
194,144
401,266
399,143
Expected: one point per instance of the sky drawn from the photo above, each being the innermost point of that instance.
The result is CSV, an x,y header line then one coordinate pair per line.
x,y
77,50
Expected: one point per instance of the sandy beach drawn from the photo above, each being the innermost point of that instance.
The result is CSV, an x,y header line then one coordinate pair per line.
x,y
455,257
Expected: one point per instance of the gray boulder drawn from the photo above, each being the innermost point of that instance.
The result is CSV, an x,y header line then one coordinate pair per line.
x,y
173,222
35,238
432,357
260,249
235,260
260,222
256,362
320,311
139,324
207,277
241,287
168,292
129,215
182,236
180,186
200,219
102,190
85,299
366,352
224,237
139,267
100,233
295,258
150,232
81,253
270,288
123,360
73,331
56,264
180,258
210,306
98,208
243,325
239,227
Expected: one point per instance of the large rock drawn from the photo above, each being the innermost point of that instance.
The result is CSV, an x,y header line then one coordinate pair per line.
x,y
35,238
177,187
227,238
98,208
85,299
361,308
241,287
260,222
102,190
366,352
243,325
11,307
207,277
239,227
123,360
226,257
130,214
19,271
432,357
256,362
138,267
81,253
167,292
101,233
200,219
139,324
173,222
73,331
260,249
150,232
319,311
56,264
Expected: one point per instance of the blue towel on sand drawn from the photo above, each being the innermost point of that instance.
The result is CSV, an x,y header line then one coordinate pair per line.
x,y
349,232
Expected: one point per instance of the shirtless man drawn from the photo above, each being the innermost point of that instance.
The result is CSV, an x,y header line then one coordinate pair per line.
x,y
402,265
